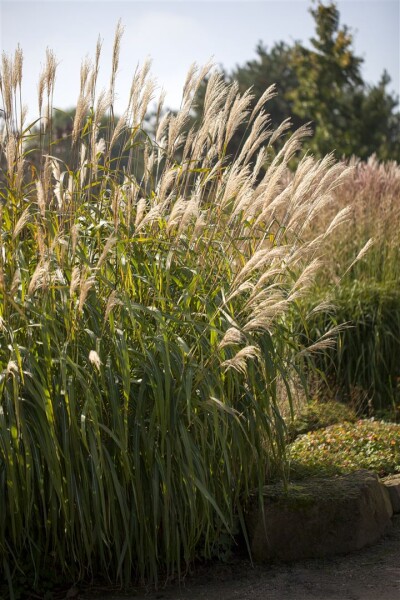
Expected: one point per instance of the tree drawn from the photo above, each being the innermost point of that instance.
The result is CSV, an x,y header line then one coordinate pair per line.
x,y
347,115
380,127
322,84
274,66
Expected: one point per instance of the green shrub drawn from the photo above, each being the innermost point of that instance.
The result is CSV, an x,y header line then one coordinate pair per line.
x,y
318,415
144,325
346,447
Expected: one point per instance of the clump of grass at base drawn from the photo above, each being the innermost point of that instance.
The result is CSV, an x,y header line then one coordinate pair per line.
x,y
362,369
347,447
143,325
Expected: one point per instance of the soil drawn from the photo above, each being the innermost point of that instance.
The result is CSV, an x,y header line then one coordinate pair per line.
x,y
372,573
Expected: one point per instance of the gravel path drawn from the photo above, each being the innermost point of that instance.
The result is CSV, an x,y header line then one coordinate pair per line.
x,y
370,574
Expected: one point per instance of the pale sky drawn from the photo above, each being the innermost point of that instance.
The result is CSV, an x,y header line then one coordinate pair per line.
x,y
176,33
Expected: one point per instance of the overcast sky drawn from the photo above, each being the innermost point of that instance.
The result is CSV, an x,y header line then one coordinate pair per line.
x,y
174,34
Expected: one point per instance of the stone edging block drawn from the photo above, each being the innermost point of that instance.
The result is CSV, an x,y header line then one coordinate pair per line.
x,y
392,483
319,517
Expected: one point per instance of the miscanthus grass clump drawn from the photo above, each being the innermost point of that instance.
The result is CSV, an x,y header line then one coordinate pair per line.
x,y
363,368
144,323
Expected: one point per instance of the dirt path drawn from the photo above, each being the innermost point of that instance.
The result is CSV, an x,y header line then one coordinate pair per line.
x,y
370,574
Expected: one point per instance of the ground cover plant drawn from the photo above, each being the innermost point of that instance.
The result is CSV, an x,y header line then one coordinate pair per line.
x,y
144,323
346,447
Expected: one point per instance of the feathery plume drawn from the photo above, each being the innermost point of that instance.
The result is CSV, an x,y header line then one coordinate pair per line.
x,y
115,58
112,301
360,255
41,87
40,198
258,135
119,128
190,76
40,277
153,215
107,247
75,280
86,285
86,68
307,276
11,151
17,68
140,210
22,221
326,341
74,237
50,70
239,361
82,109
231,337
6,83
16,280
340,218
94,359
238,113
147,97
177,212
269,93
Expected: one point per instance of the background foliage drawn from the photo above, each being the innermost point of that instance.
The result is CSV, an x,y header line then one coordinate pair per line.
x,y
321,82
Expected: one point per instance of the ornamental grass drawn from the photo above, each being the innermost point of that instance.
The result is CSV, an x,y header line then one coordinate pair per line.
x,y
144,321
360,283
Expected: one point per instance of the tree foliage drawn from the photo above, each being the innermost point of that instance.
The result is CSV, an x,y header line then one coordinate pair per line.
x,y
321,83
271,67
348,116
